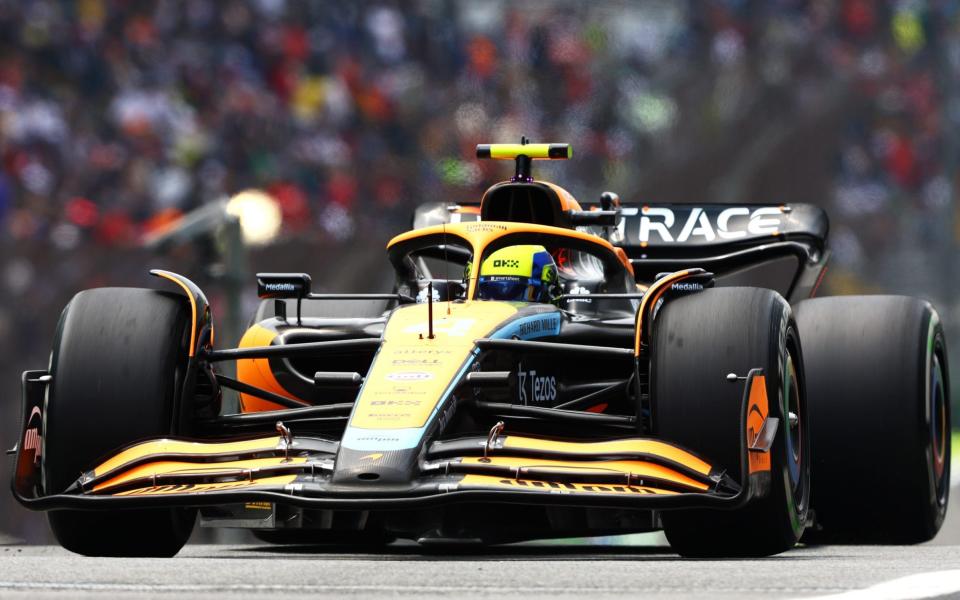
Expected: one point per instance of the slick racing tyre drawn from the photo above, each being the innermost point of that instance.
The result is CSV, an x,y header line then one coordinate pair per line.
x,y
119,357
880,410
696,341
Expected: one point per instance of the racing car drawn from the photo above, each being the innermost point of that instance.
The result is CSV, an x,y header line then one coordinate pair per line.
x,y
539,369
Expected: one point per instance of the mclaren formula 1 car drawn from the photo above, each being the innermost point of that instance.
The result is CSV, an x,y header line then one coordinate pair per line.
x,y
541,368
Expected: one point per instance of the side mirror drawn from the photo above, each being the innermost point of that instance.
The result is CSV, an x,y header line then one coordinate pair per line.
x,y
283,285
609,201
602,218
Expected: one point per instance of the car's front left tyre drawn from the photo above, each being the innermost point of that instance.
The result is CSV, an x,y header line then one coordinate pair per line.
x,y
697,341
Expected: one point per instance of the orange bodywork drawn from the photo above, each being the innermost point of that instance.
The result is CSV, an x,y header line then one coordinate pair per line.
x,y
567,201
636,468
611,447
654,293
193,309
218,486
480,234
166,467
257,372
757,410
482,482
172,448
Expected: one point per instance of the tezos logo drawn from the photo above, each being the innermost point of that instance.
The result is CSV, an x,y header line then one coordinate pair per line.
x,y
507,263
539,390
409,376
32,440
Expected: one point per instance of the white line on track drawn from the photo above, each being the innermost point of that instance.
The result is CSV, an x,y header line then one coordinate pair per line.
x,y
911,587
445,590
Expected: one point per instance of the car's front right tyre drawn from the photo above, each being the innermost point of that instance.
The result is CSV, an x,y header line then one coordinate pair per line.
x,y
118,362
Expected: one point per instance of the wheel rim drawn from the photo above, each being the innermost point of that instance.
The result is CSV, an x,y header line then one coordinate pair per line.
x,y
794,423
938,428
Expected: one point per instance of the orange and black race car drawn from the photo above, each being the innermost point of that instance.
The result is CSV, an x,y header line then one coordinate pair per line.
x,y
541,369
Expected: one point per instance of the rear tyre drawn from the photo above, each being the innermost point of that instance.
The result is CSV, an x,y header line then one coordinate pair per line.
x,y
697,341
880,411
119,358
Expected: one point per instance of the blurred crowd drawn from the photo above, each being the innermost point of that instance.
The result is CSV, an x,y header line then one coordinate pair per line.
x,y
117,116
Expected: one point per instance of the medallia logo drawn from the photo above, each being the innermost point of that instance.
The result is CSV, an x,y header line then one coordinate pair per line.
x,y
280,287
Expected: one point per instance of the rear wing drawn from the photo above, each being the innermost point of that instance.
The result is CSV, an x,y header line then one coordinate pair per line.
x,y
777,246
675,229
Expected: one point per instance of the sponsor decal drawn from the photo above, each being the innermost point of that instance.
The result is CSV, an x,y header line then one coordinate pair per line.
x,y
421,351
579,290
538,389
280,287
687,286
378,439
529,328
557,487
659,224
258,506
506,263
409,376
408,362
32,440
372,456
533,326
395,402
390,415
422,295
445,415
576,487
399,390
209,487
483,227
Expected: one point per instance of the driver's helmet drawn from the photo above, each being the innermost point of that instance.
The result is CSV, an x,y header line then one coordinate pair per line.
x,y
518,273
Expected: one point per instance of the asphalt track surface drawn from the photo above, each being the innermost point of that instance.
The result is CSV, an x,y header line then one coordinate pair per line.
x,y
204,571
571,570
638,566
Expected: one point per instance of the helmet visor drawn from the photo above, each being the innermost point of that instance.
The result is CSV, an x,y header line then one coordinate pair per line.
x,y
515,289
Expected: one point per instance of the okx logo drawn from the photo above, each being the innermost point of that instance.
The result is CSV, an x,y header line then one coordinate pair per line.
x,y
506,263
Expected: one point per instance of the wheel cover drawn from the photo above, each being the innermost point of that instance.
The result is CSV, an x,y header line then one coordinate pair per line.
x,y
796,449
938,428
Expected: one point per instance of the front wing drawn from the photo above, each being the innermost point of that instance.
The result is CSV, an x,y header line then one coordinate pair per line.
x,y
638,473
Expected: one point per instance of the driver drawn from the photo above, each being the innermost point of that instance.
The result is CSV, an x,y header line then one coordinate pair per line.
x,y
519,274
